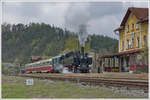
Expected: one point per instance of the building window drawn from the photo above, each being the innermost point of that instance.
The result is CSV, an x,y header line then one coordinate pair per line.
x,y
132,42
132,27
138,42
128,28
111,62
127,44
137,26
122,45
116,62
132,60
144,40
108,62
139,59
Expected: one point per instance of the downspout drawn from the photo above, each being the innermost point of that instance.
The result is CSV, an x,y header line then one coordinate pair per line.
x,y
125,40
119,42
140,35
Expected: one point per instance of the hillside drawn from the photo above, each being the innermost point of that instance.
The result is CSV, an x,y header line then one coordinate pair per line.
x,y
20,42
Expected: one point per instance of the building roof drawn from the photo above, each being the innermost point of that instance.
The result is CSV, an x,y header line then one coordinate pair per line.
x,y
123,53
36,58
140,13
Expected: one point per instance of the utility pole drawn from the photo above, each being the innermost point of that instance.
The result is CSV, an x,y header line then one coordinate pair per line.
x,y
95,59
20,68
94,62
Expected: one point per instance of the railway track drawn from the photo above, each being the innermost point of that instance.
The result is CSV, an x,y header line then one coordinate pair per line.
x,y
117,82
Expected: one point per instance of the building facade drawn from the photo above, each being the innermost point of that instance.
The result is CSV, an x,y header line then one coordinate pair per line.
x,y
133,42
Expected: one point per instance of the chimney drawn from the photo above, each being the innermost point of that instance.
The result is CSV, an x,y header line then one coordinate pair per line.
x,y
82,51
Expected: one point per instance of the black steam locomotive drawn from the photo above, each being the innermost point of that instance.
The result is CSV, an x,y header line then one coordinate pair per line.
x,y
77,62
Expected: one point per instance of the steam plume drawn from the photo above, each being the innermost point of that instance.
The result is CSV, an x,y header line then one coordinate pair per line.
x,y
76,19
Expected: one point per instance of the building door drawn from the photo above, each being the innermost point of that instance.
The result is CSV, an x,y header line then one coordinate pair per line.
x,y
125,67
127,63
121,64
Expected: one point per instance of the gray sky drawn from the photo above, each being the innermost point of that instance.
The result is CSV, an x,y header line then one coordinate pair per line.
x,y
100,17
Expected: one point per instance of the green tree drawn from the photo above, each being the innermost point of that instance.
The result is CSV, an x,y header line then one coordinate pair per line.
x,y
3,70
20,42
72,44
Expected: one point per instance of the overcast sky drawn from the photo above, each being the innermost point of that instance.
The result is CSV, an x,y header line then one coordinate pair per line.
x,y
100,17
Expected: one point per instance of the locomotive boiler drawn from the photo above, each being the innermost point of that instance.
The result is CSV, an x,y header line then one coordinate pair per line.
x,y
77,62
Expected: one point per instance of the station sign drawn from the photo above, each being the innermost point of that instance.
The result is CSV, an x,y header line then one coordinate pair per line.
x,y
29,82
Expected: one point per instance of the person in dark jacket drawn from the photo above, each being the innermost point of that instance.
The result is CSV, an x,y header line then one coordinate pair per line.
x,y
98,70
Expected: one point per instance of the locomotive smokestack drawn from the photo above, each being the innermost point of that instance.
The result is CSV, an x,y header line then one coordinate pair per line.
x,y
82,51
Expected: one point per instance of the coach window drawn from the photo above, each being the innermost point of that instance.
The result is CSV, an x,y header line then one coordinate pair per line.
x,y
37,65
50,62
41,63
44,63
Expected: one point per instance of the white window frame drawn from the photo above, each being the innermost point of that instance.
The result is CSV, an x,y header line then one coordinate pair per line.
x,y
144,40
138,42
132,27
132,43
122,45
128,44
137,26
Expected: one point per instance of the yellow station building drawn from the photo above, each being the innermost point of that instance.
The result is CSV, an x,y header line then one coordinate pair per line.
x,y
133,37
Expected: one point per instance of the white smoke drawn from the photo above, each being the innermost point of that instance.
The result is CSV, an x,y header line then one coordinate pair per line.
x,y
65,70
82,36
76,20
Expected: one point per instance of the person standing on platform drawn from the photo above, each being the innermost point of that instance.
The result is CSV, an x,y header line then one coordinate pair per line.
x,y
98,70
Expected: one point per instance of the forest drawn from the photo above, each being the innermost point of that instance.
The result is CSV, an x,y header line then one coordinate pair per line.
x,y
20,42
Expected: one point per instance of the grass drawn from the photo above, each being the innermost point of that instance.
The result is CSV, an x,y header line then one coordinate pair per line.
x,y
15,87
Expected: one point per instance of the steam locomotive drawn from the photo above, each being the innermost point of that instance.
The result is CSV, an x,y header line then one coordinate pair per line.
x,y
75,62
